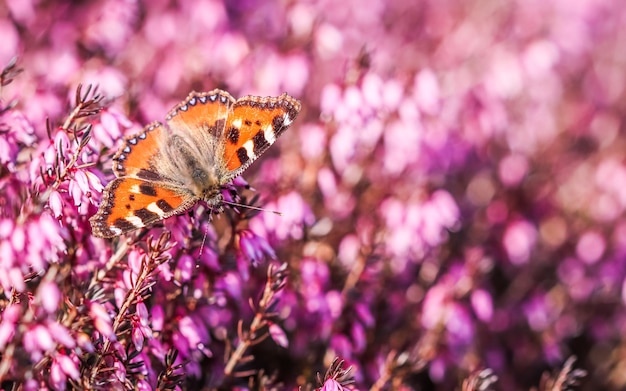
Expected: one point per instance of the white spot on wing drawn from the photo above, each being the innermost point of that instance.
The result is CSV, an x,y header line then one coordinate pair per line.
x,y
134,220
268,132
249,146
115,230
154,208
135,189
237,123
286,120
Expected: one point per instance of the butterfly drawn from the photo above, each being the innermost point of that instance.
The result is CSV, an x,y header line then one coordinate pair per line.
x,y
206,141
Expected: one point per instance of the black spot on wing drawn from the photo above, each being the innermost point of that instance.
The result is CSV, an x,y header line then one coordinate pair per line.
x,y
146,216
233,135
164,206
148,175
277,124
260,142
242,155
148,190
216,128
124,225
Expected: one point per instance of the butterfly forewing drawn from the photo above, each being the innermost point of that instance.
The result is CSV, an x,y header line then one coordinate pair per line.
x,y
131,203
201,113
137,156
253,125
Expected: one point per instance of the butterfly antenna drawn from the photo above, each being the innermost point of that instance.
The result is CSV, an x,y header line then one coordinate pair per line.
x,y
252,207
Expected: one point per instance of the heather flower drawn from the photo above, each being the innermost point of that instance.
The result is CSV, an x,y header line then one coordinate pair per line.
x,y
253,250
451,192
296,215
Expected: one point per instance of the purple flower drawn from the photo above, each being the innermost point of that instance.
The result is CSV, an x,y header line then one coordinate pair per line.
x,y
102,320
49,296
519,240
254,248
331,385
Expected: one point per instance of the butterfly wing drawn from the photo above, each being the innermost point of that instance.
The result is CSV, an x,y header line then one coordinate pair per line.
x,y
140,196
140,152
253,124
201,116
131,203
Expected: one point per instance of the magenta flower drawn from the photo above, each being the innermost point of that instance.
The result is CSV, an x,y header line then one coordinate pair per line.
x,y
450,199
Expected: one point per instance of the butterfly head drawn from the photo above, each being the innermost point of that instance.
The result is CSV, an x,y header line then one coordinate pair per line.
x,y
212,196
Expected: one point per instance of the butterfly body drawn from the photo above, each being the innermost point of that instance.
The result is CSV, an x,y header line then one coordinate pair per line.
x,y
207,140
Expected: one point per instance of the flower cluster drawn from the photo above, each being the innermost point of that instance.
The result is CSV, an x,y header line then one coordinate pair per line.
x,y
446,212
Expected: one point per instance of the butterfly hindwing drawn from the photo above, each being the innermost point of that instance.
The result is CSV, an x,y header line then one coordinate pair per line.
x,y
131,203
253,124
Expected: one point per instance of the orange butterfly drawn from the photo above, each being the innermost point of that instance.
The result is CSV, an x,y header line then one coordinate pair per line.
x,y
208,139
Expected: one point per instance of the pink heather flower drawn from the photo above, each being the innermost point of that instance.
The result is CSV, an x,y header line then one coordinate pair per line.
x,y
49,296
94,182
15,279
359,337
102,320
296,214
349,250
61,334
137,336
157,318
111,127
590,247
119,371
254,248
110,24
338,201
58,377
143,385
8,321
142,312
32,385
459,325
55,202
512,169
365,314
519,240
193,330
482,304
435,306
341,345
401,147
68,366
185,268
120,350
312,141
18,239
17,133
38,341
415,226
140,326
426,92
537,312
84,342
278,335
331,385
